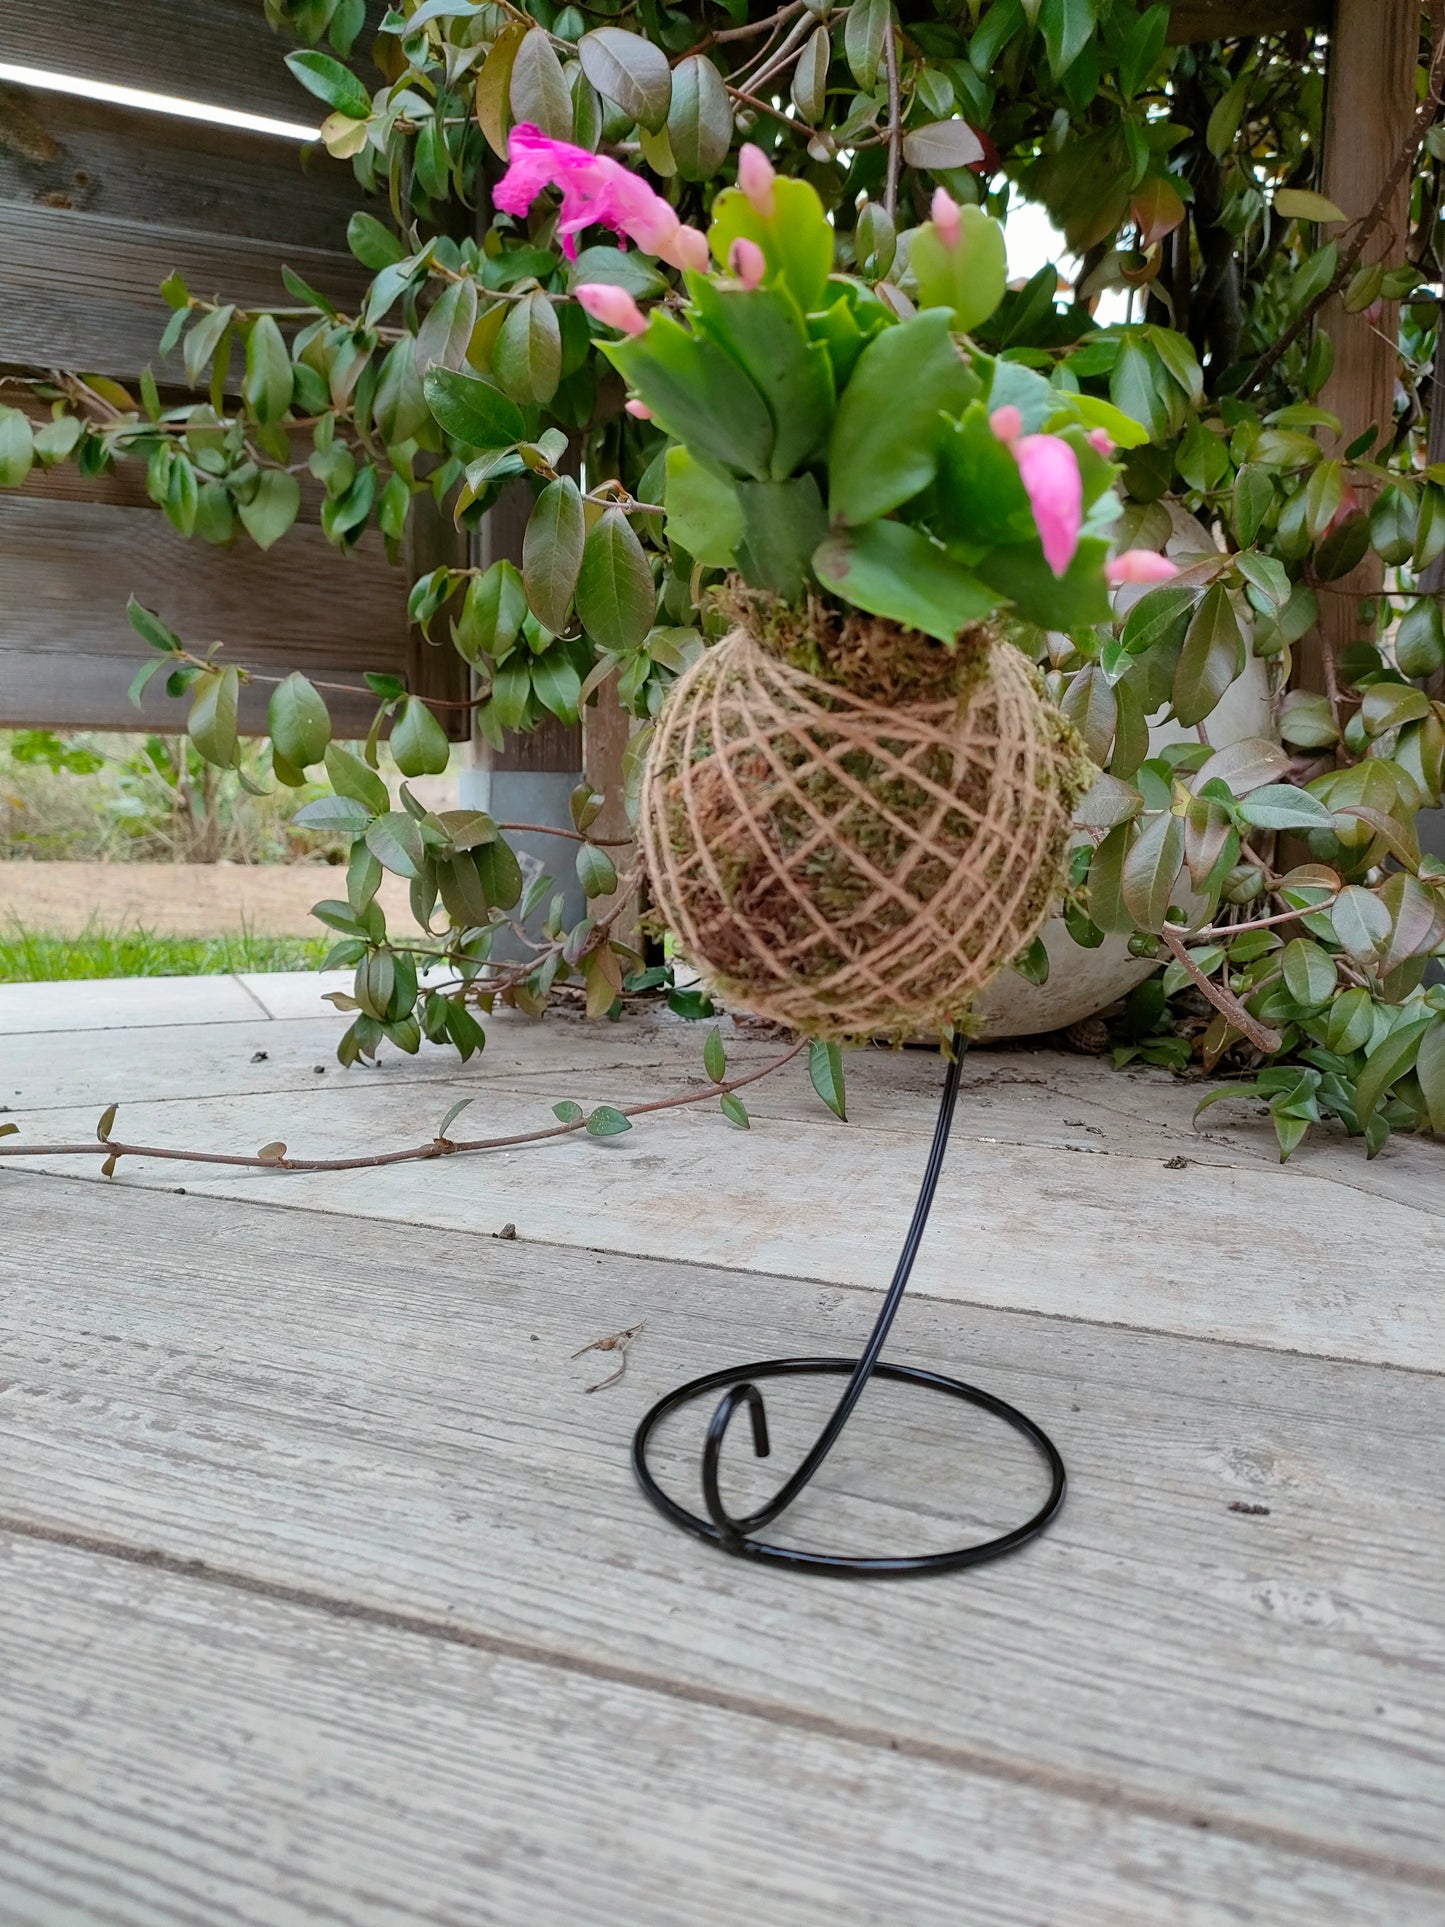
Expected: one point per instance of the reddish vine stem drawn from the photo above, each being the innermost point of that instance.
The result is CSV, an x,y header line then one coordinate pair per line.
x,y
895,122
438,1147
1224,1001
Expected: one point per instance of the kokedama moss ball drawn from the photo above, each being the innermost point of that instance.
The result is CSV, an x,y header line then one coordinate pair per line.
x,y
847,865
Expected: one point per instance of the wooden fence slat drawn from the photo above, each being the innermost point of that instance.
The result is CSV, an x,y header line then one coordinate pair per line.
x,y
1192,20
91,158
220,52
67,653
80,291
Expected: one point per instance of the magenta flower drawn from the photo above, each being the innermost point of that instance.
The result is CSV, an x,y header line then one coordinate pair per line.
x,y
1138,565
1049,469
756,175
1007,423
594,190
945,213
747,261
612,306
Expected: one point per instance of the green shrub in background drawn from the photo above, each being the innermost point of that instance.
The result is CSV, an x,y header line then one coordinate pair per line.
x,y
1183,174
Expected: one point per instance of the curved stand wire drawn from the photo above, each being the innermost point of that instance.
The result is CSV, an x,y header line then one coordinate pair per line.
x,y
735,1535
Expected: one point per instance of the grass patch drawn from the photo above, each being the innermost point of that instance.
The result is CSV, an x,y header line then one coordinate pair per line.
x,y
33,957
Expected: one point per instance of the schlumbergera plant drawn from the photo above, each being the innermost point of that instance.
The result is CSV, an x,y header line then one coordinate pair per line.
x,y
1277,874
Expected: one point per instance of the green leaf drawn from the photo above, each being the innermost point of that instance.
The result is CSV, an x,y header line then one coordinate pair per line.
x,y
331,82
444,336
607,1121
418,741
796,240
866,26
1393,519
764,332
1033,964
142,678
537,88
734,1110
825,1067
1106,897
596,871
1266,574
1391,1058
810,76
700,118
492,614
395,840
351,778
1243,766
1420,639
616,598
1067,27
783,523
149,627
267,386
698,394
1279,806
1151,871
1361,922
704,514
968,274
616,269
893,570
891,418
1213,655
299,721
338,814
552,552
272,508
568,1112
1430,1070
212,721
527,356
1160,616
1300,204
629,70
557,684
1351,1022
714,1057
452,1115
473,410
1309,972
500,873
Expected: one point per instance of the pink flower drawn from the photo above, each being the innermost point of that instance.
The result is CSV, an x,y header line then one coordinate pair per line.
x,y
613,306
687,249
945,216
747,261
1007,423
594,190
756,175
639,410
1050,472
1099,438
1138,565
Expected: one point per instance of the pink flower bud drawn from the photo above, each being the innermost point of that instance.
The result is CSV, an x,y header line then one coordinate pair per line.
x,y
1099,438
945,216
613,306
639,410
755,177
747,261
1049,469
1007,423
1138,565
687,248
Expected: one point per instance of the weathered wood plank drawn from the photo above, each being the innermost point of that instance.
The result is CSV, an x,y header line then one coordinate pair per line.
x,y
1230,19
220,52
68,654
60,152
392,1417
81,291
186,1754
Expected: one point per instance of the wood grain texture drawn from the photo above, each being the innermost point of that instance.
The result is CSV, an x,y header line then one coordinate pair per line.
x,y
220,52
1231,19
68,654
184,1754
81,291
1369,107
87,157
392,1418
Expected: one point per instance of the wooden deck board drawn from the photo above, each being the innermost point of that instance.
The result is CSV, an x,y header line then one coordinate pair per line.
x,y
194,1756
391,1417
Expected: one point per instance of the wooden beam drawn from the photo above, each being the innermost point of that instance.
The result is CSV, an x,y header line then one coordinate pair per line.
x,y
1369,106
1234,19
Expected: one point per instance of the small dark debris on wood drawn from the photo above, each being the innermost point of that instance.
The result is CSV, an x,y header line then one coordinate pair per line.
x,y
1177,1164
259,1056
619,1342
1249,1509
320,1069
507,1231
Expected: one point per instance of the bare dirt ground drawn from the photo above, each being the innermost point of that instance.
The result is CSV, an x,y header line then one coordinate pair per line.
x,y
176,899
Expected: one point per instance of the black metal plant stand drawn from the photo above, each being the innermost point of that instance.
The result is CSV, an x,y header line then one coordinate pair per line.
x,y
720,1529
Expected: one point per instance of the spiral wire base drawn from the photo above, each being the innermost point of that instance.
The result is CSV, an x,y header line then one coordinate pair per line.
x,y
736,1535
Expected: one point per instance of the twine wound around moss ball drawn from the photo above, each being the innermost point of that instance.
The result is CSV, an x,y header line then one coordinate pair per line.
x,y
846,867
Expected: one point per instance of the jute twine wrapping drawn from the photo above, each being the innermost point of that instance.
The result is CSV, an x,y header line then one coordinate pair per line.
x,y
847,868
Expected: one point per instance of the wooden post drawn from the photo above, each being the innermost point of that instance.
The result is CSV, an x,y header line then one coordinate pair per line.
x,y
1369,105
